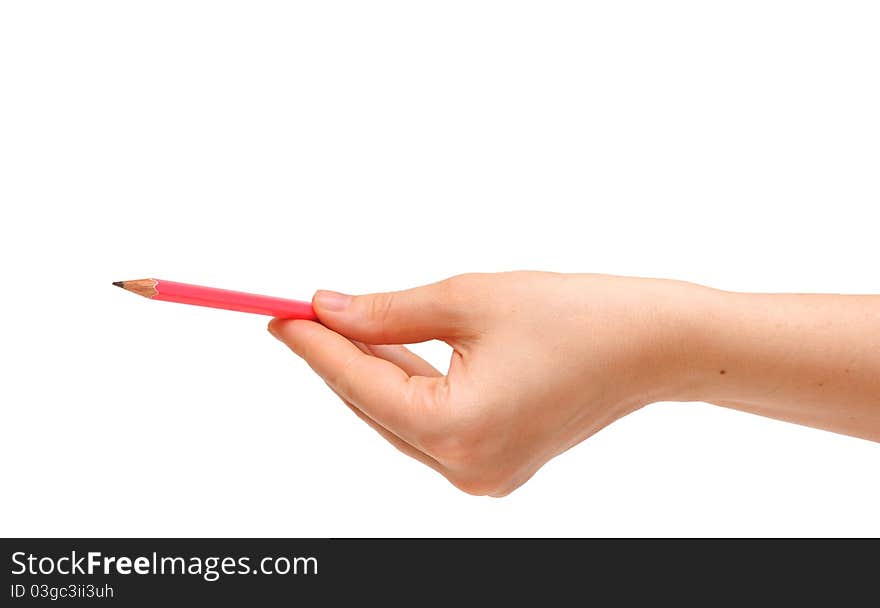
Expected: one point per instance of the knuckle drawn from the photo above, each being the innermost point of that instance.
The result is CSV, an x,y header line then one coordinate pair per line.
x,y
430,396
379,307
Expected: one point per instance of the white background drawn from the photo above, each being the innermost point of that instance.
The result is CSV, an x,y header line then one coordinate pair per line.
x,y
363,146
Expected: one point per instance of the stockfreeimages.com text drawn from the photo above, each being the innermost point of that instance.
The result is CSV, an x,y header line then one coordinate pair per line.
x,y
209,568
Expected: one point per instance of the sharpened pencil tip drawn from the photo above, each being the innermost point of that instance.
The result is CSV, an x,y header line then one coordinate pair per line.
x,y
119,283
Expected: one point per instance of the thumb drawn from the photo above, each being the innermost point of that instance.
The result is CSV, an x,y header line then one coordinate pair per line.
x,y
396,317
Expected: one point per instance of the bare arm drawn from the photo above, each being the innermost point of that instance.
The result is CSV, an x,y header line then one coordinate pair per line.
x,y
541,361
809,359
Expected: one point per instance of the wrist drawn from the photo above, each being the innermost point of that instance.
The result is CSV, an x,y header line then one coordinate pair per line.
x,y
693,356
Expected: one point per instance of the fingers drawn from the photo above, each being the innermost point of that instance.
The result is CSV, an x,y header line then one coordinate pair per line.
x,y
383,391
393,439
400,317
402,357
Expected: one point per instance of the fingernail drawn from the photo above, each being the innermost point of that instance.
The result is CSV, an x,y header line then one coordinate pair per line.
x,y
331,300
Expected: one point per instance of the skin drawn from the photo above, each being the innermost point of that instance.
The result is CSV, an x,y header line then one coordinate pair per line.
x,y
542,361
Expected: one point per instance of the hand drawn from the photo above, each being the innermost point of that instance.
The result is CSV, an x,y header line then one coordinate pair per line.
x,y
540,362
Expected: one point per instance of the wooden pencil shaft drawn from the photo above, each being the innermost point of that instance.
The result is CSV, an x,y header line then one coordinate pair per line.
x,y
212,297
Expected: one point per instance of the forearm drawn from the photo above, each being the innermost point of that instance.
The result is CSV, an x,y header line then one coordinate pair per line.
x,y
809,359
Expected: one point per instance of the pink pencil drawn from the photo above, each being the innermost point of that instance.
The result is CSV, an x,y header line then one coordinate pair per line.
x,y
169,291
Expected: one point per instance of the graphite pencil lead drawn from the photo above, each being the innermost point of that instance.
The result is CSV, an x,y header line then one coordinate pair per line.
x,y
142,287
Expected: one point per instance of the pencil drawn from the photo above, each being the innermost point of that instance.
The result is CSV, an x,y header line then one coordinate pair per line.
x,y
169,291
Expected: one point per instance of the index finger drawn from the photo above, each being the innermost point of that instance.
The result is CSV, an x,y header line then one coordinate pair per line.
x,y
383,391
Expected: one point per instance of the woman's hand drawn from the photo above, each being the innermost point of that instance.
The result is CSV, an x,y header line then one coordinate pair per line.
x,y
542,361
